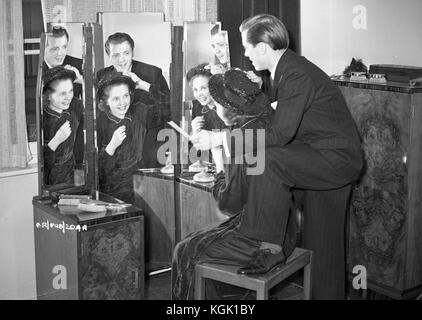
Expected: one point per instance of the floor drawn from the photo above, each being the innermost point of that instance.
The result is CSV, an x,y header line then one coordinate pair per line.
x,y
158,288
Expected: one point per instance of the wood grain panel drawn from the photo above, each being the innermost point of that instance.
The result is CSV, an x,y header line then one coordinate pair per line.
x,y
112,261
198,210
414,221
156,197
379,202
385,220
53,248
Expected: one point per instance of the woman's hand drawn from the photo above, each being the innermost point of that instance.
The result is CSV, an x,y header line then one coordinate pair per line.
x,y
61,136
197,124
118,136
215,68
217,155
206,140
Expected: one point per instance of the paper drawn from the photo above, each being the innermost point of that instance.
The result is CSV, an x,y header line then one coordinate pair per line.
x,y
178,129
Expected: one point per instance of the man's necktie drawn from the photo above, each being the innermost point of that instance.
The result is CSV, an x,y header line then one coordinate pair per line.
x,y
271,91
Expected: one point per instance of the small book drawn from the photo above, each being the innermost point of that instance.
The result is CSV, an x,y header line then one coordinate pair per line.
x,y
69,202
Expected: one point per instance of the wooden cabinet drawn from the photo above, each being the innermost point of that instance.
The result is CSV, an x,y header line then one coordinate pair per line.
x,y
174,207
197,208
83,255
154,194
385,234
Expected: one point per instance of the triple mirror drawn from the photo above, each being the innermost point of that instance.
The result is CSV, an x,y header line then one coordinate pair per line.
x,y
62,94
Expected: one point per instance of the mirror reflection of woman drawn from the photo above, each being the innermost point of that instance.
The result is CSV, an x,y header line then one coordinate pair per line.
x,y
121,132
151,86
62,126
203,110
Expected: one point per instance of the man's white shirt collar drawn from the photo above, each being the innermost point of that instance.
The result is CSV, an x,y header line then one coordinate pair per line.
x,y
273,70
48,65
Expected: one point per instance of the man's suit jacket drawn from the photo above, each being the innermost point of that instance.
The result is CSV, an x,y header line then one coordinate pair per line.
x,y
311,110
158,95
74,62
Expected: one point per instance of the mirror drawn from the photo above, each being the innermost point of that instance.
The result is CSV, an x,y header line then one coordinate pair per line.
x,y
138,45
60,107
206,53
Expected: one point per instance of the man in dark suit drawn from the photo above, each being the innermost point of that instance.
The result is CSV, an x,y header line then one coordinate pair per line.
x,y
151,87
56,55
312,143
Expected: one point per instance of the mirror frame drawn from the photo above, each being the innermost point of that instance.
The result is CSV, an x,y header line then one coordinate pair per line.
x,y
88,101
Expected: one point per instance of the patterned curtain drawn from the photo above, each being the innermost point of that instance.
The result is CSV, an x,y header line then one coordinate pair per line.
x,y
13,136
86,11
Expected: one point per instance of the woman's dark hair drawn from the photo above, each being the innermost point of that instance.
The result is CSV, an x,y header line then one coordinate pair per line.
x,y
198,70
118,38
266,28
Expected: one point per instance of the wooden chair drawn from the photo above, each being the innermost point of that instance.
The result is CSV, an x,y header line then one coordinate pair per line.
x,y
300,258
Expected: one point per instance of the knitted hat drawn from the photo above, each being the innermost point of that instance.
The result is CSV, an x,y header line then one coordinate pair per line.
x,y
114,78
56,73
234,91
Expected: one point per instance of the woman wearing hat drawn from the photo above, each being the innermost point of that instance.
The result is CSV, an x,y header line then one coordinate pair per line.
x,y
121,131
240,104
204,116
62,126
203,111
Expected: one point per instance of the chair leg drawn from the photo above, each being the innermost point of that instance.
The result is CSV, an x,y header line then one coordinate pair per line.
x,y
307,279
262,293
199,285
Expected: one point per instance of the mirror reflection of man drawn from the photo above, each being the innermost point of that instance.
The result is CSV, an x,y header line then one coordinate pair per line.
x,y
151,86
220,46
56,55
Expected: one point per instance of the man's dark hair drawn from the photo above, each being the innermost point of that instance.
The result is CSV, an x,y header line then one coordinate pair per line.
x,y
58,32
266,28
118,38
214,30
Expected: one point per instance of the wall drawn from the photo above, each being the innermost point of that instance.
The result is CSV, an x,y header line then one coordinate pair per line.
x,y
17,255
332,32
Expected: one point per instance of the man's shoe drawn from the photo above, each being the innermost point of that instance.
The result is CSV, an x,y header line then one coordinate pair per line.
x,y
262,262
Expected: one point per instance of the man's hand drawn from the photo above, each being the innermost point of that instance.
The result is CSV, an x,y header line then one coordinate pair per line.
x,y
61,136
216,68
140,84
254,78
79,79
206,140
197,124
118,136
